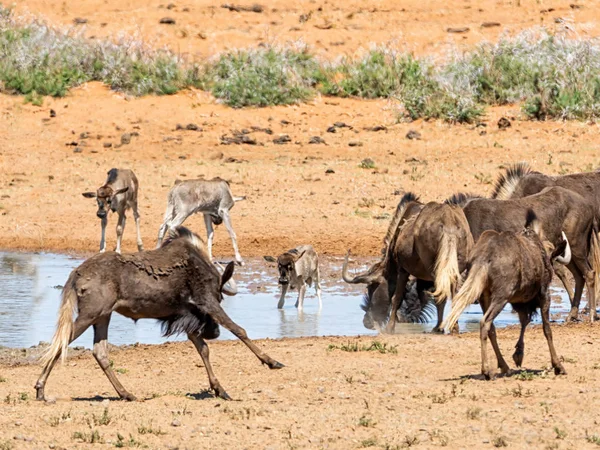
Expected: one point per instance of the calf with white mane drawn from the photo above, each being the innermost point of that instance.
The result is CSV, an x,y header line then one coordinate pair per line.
x,y
176,284
118,194
212,198
516,268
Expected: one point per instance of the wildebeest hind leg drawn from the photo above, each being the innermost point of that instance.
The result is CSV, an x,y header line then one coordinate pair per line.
x,y
491,309
220,316
101,354
79,327
202,348
579,284
545,311
519,353
397,299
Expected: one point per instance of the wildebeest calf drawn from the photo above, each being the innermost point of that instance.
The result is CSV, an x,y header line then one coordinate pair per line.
x,y
298,268
176,284
513,268
118,193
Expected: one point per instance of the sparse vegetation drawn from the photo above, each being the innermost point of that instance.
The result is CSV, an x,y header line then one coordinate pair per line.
x,y
592,438
375,346
131,442
371,442
560,434
367,422
93,437
148,429
499,441
473,413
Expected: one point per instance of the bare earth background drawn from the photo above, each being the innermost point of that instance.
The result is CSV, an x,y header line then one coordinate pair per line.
x,y
321,399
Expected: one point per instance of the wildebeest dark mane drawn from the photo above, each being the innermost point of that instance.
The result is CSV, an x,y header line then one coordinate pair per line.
x,y
392,231
508,180
182,232
461,198
423,315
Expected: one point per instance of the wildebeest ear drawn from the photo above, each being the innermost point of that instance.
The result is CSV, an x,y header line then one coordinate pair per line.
x,y
89,194
227,273
120,191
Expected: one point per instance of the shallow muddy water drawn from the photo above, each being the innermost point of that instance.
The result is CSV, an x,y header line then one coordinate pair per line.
x,y
31,285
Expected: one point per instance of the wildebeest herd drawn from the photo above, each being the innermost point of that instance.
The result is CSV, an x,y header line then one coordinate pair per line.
x,y
495,251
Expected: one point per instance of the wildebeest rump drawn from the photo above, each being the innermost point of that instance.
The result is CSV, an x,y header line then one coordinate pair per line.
x,y
298,268
176,284
430,242
558,209
507,267
118,194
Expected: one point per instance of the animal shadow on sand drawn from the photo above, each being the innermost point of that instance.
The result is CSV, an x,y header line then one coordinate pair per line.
x,y
510,374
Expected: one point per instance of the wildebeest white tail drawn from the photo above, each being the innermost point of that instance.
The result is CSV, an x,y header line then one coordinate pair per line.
x,y
470,291
446,268
64,325
239,199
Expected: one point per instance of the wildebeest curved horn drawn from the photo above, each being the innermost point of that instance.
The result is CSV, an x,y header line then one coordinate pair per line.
x,y
366,277
230,288
565,258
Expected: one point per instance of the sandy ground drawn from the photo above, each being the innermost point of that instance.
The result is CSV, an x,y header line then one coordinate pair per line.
x,y
322,399
427,395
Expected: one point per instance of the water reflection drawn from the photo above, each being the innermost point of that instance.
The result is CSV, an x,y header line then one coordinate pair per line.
x,y
31,287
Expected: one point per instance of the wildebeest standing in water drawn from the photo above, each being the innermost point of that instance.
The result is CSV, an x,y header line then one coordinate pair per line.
x,y
513,268
430,242
298,268
176,284
118,194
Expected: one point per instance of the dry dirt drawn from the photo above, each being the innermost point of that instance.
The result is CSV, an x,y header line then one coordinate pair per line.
x,y
329,399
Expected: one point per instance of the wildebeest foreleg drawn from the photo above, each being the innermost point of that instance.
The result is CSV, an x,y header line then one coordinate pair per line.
x,y
318,287
210,233
561,272
492,309
100,352
284,288
519,353
397,298
579,284
301,294
103,223
202,348
136,217
120,229
173,222
227,221
78,328
545,312
220,316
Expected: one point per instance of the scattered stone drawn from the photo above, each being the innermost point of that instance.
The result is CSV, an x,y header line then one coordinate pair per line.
x,y
413,160
376,128
304,17
167,21
238,138
285,122
52,113
84,135
264,130
176,423
171,6
490,24
283,139
77,150
192,127
316,140
182,157
341,125
575,6
238,8
413,135
332,129
79,21
269,259
355,144
125,138
457,29
72,144
504,123
202,35
328,171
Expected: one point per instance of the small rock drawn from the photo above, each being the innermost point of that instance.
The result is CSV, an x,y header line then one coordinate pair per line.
x,y
457,29
490,24
52,113
167,21
84,135
171,6
77,150
504,123
125,138
376,128
355,144
341,125
284,122
107,145
575,6
269,259
413,135
202,35
176,423
79,21
316,140
283,139
192,127
18,424
331,130
329,171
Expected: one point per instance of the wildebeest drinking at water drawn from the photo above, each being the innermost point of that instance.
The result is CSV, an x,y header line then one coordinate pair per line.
x,y
176,284
430,242
515,268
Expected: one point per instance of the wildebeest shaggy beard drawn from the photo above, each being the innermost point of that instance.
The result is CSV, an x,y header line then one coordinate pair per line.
x,y
176,284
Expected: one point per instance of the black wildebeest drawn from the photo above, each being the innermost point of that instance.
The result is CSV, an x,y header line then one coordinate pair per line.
x,y
558,210
430,242
176,284
516,268
118,194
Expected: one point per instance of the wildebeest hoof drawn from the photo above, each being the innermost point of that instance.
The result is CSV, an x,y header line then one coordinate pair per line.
x,y
518,358
275,365
220,392
437,330
239,263
486,375
129,397
560,370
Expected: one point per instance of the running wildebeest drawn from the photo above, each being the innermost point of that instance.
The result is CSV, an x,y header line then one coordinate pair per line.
x,y
519,180
558,209
298,268
430,242
212,198
176,284
516,268
118,193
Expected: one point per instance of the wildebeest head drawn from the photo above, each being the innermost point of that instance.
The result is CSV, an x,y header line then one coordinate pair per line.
x,y
106,197
286,265
377,300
